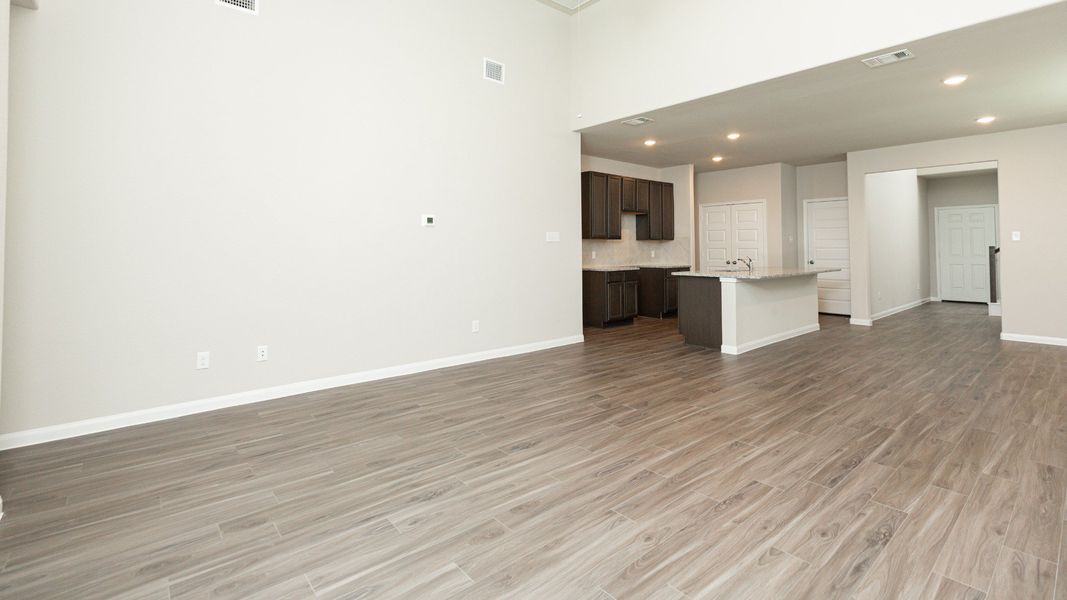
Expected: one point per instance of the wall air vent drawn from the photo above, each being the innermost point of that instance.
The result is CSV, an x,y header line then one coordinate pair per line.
x,y
246,6
493,70
637,121
888,58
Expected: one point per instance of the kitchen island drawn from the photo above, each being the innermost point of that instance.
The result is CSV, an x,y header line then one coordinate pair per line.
x,y
739,310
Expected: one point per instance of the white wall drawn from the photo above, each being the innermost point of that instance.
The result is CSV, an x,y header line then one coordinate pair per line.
x,y
630,251
898,239
773,183
1032,190
185,177
944,192
631,58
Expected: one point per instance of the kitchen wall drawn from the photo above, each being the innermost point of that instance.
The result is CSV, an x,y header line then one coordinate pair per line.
x,y
187,178
776,184
630,59
899,238
964,190
1032,188
630,251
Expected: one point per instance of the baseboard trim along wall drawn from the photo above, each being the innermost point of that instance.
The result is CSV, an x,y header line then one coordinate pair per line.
x,y
1033,339
52,433
767,341
903,307
863,322
994,309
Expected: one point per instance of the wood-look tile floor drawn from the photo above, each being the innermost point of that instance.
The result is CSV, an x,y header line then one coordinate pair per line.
x,y
921,458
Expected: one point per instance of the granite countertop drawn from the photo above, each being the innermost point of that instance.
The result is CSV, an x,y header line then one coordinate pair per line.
x,y
757,273
609,268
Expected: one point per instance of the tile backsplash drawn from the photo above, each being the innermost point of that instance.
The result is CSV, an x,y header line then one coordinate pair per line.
x,y
629,251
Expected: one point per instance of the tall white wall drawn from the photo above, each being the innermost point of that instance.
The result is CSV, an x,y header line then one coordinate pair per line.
x,y
185,177
945,192
1032,187
898,239
635,55
630,251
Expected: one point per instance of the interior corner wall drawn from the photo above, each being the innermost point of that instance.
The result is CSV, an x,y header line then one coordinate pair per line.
x,y
687,49
945,192
762,182
1032,186
186,177
630,251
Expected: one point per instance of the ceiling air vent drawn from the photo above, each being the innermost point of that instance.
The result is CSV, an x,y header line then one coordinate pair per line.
x,y
888,58
637,121
247,6
493,70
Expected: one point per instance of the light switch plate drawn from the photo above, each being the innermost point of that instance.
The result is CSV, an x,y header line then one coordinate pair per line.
x,y
552,236
1016,236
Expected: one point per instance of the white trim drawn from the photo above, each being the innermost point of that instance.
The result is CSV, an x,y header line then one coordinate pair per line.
x,y
1033,339
862,322
994,309
767,341
937,230
41,435
899,309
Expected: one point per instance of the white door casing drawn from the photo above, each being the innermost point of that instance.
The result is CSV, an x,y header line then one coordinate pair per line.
x,y
964,235
731,231
826,245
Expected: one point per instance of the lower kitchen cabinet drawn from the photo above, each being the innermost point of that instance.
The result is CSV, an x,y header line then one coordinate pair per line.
x,y
609,296
658,291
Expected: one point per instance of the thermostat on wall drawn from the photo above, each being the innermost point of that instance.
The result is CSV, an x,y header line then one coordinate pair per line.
x,y
428,220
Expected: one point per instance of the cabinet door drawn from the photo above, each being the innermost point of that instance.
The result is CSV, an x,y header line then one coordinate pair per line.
x,y
667,211
655,211
629,302
616,303
614,207
670,293
642,195
629,194
598,206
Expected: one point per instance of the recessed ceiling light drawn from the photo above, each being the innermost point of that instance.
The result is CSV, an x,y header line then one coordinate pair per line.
x,y
985,120
733,136
716,158
955,80
650,143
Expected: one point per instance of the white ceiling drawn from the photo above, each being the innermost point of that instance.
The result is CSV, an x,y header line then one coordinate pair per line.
x,y
567,6
1017,68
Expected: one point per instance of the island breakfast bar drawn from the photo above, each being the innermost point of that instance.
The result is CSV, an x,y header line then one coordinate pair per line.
x,y
736,311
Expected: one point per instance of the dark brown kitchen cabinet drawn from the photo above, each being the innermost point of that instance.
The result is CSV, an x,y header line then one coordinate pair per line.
x,y
658,291
642,195
609,296
653,225
601,211
629,194
667,212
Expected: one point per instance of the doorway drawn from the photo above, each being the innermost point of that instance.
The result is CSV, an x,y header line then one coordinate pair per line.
x,y
732,231
964,236
826,245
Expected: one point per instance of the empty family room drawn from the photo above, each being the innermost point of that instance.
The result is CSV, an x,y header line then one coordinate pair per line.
x,y
533,299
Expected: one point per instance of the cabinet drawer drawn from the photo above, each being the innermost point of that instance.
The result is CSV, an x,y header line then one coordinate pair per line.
x,y
616,276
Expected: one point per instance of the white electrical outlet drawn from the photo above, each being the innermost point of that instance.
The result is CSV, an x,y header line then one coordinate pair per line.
x,y
261,353
653,254
203,360
594,254
476,326
1016,236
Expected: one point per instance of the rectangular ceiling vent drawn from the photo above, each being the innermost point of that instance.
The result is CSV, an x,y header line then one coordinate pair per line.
x,y
636,121
246,6
888,58
493,70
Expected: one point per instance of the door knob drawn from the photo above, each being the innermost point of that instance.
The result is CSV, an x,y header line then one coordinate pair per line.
x,y
811,262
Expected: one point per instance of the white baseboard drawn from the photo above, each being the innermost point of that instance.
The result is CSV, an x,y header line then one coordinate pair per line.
x,y
767,341
863,322
1033,339
52,433
903,307
994,309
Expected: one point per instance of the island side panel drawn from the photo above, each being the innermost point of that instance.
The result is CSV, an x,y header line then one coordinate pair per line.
x,y
700,311
767,311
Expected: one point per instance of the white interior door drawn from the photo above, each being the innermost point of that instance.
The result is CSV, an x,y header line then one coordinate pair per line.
x,y
749,232
964,235
715,246
826,245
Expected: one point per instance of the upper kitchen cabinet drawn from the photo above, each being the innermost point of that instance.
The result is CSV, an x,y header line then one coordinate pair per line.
x,y
658,222
601,206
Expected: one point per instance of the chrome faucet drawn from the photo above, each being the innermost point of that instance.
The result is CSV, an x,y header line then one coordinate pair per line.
x,y
748,262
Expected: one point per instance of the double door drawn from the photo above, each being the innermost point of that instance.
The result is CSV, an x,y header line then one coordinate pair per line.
x,y
731,232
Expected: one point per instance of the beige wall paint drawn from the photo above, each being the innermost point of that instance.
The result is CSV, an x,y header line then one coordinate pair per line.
x,y
5,30
630,251
899,240
185,177
944,192
790,217
1032,192
817,182
687,49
